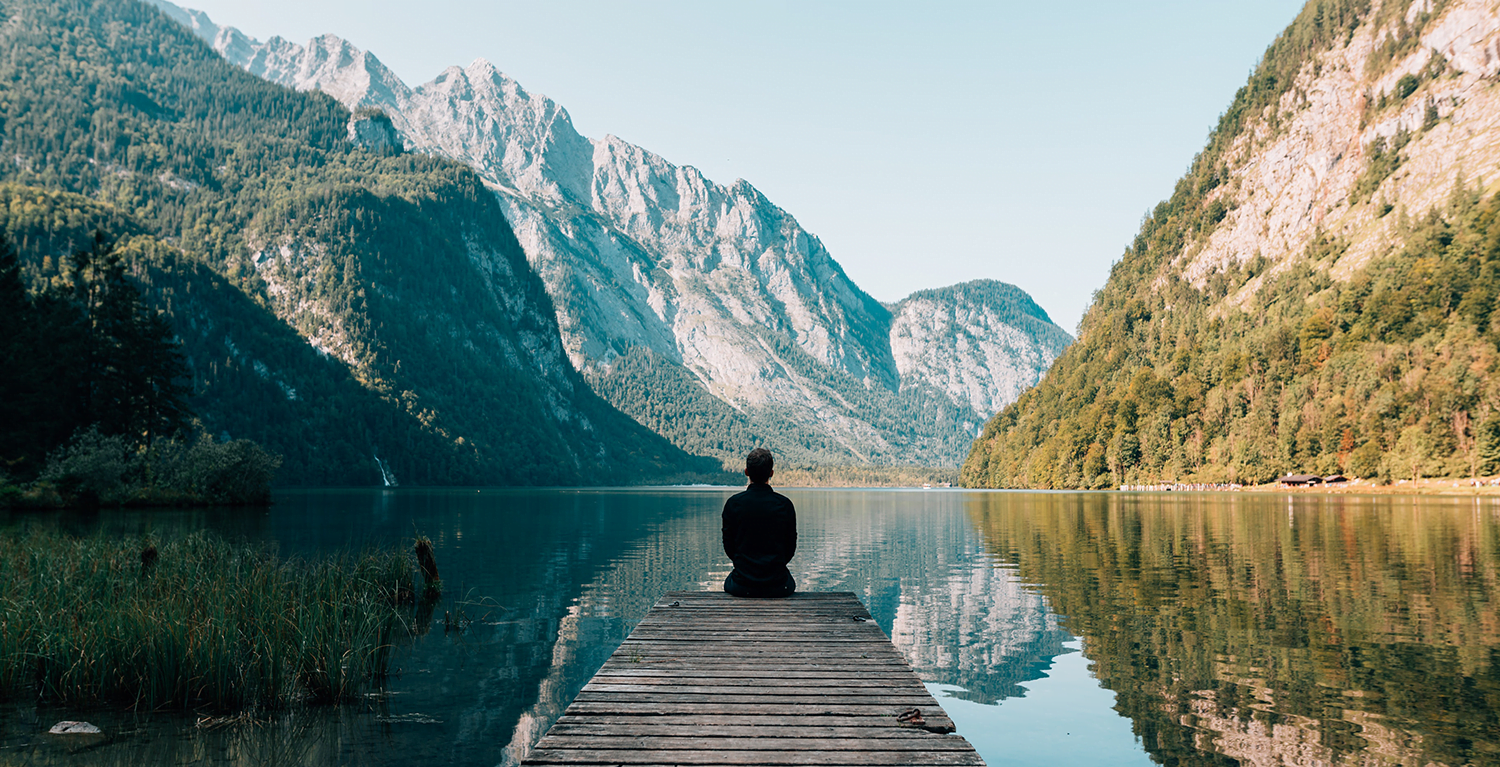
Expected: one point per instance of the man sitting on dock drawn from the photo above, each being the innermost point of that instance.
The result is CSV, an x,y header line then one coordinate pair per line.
x,y
760,534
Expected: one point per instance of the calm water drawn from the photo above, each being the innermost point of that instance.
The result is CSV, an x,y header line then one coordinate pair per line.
x,y
1056,628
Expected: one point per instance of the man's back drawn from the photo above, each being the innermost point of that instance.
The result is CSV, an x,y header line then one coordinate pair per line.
x,y
760,537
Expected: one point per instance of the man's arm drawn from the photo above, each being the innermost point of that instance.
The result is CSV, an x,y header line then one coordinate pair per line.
x,y
789,542
727,536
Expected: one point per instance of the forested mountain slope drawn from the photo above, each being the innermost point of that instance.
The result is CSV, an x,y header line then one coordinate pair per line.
x,y
337,299
1318,292
703,310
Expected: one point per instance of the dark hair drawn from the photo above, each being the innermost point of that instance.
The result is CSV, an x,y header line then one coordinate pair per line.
x,y
758,465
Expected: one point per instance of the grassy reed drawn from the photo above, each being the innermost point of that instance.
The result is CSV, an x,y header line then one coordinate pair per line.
x,y
202,623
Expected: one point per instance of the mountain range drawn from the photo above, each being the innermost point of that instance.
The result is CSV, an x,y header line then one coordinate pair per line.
x,y
703,311
366,313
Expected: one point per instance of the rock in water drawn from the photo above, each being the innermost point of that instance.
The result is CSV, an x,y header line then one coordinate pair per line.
x,y
74,728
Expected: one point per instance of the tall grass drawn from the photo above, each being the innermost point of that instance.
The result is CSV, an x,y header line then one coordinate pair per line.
x,y
207,624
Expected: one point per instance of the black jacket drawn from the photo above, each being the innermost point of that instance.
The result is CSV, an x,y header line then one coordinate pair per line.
x,y
760,534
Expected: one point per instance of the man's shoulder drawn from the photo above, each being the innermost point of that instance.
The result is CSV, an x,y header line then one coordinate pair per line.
x,y
779,497
757,495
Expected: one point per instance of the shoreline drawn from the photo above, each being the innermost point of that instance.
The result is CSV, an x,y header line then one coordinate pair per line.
x,y
1446,486
1443,486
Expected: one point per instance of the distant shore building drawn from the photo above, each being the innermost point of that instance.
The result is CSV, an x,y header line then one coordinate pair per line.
x,y
1300,480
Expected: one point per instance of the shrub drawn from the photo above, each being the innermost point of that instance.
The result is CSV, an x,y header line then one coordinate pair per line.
x,y
9,494
1406,86
237,472
94,469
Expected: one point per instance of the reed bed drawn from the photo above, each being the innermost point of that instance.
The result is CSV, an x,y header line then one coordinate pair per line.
x,y
195,623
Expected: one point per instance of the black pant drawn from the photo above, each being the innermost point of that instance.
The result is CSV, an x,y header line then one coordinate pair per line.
x,y
739,588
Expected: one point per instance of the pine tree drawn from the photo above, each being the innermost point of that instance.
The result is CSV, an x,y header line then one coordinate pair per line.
x,y
1489,446
15,384
133,369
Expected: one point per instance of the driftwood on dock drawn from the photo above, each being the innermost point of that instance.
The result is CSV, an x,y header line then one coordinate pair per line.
x,y
708,679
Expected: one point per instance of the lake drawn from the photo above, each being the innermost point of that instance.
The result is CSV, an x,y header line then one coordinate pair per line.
x,y
1055,628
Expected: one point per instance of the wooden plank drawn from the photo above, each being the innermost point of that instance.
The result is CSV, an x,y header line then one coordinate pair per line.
x,y
865,723
708,679
725,651
836,757
750,743
894,701
831,635
613,683
782,709
745,671
795,727
736,687
669,663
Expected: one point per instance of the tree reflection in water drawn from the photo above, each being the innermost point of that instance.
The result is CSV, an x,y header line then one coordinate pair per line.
x,y
1271,630
1231,628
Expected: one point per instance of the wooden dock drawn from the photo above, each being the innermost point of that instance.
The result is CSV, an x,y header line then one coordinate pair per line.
x,y
708,679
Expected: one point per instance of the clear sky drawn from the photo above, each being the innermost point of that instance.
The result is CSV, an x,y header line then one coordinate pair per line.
x,y
925,143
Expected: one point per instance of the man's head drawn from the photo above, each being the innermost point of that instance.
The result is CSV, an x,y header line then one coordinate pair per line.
x,y
758,465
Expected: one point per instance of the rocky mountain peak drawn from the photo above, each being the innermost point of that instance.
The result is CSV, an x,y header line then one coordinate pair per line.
x,y
640,254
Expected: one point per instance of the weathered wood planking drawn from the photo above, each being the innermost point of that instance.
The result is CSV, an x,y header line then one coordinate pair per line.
x,y
708,679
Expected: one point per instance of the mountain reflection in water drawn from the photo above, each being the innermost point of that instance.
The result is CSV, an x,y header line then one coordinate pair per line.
x,y
1232,628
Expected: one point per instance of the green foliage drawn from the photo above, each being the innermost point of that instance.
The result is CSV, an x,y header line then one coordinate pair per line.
x,y
1406,86
863,476
1377,375
403,267
1409,456
1365,461
234,472
94,469
1385,158
662,395
193,623
84,353
1489,446
1398,39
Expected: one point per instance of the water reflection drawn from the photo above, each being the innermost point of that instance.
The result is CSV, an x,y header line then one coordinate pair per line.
x,y
1265,630
567,574
1231,629
913,558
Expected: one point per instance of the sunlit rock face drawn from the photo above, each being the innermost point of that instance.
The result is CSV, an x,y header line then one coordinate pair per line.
x,y
1293,178
982,342
374,133
637,252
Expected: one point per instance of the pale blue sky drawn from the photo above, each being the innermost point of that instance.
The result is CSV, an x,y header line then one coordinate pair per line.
x,y
925,143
